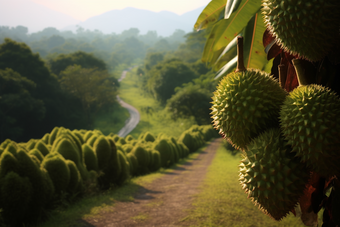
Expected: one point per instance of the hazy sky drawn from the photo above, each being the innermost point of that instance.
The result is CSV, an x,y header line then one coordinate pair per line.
x,y
84,9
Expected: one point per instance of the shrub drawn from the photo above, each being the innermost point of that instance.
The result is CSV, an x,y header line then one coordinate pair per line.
x,y
127,148
165,152
148,137
53,135
75,178
90,158
8,163
142,156
87,136
35,152
133,164
16,195
156,161
67,149
30,168
56,166
45,138
41,146
102,149
125,168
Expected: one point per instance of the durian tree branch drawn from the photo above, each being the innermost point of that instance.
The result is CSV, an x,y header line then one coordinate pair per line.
x,y
240,62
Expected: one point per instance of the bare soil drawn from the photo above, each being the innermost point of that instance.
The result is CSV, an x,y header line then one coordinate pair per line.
x,y
165,201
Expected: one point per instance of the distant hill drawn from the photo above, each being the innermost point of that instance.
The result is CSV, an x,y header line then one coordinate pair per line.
x,y
37,17
32,15
164,22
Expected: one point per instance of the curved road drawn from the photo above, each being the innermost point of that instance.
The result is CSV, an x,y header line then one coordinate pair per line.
x,y
134,118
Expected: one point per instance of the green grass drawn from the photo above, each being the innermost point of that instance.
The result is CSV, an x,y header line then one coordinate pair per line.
x,y
108,122
222,202
159,119
94,206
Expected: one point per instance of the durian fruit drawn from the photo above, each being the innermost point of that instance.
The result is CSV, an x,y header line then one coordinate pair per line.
x,y
271,176
309,28
246,103
310,122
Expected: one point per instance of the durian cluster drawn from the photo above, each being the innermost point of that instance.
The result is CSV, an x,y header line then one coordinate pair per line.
x,y
308,28
283,136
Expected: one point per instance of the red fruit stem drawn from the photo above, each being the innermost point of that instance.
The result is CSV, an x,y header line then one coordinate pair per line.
x,y
240,63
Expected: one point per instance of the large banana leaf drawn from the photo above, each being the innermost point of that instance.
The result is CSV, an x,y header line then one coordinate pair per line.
x,y
212,13
254,54
244,19
238,20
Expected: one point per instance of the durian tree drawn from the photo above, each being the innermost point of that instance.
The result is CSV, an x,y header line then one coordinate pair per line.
x,y
278,66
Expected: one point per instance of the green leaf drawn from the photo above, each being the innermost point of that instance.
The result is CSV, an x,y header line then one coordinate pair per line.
x,y
230,7
227,68
255,56
211,14
238,20
228,53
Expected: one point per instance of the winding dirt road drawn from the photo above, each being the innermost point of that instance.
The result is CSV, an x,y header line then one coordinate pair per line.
x,y
165,201
134,118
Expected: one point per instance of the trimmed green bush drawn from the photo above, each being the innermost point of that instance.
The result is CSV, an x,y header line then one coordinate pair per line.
x,y
142,156
53,135
15,198
30,168
37,154
90,158
48,186
87,136
125,168
115,138
46,138
156,161
67,149
8,163
92,140
12,147
31,144
148,137
75,178
187,139
113,169
165,151
102,149
41,146
129,138
56,166
121,141
133,164
127,148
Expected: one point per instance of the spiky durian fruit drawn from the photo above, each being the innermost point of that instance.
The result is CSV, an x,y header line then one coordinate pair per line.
x,y
246,103
273,178
310,122
309,28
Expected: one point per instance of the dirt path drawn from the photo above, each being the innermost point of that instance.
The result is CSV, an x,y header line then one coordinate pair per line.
x,y
163,202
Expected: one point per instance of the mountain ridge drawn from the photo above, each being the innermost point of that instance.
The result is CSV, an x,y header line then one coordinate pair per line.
x,y
39,17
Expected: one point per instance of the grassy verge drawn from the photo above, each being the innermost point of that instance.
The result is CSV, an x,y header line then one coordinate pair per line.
x,y
94,206
222,202
108,122
154,118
